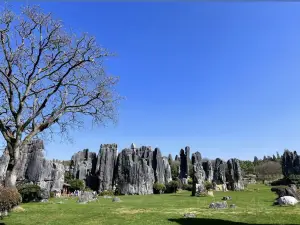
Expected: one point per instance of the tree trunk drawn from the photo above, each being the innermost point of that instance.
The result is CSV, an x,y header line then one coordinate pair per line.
x,y
11,178
13,167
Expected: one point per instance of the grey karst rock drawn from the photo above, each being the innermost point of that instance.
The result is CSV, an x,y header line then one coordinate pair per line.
x,y
234,176
106,162
225,198
290,164
209,170
218,205
45,194
58,176
167,170
145,152
233,206
83,165
219,172
285,191
293,187
177,158
133,146
36,169
33,151
161,167
4,160
133,175
189,215
184,162
198,174
158,166
116,199
287,200
86,197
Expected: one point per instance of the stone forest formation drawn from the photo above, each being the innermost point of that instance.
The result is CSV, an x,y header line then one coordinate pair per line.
x,y
132,171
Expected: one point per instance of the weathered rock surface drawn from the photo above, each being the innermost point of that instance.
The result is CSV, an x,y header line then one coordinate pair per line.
x,y
218,205
225,198
158,166
189,215
219,172
106,163
287,200
290,164
209,170
167,170
234,176
36,169
86,197
83,166
116,199
287,191
133,175
184,163
198,175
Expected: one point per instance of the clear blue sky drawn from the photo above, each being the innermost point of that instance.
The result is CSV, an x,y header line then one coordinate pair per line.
x,y
222,78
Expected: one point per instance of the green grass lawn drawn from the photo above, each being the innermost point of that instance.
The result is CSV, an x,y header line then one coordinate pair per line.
x,y
253,207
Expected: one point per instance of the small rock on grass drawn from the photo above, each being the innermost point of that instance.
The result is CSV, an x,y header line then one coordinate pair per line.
x,y
189,215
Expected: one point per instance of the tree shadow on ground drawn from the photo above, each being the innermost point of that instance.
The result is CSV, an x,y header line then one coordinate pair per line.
x,y
197,221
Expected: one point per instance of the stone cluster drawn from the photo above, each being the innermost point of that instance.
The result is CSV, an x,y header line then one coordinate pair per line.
x,y
132,171
290,164
48,174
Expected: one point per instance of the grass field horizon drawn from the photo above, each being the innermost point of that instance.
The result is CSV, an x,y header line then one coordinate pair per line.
x,y
253,207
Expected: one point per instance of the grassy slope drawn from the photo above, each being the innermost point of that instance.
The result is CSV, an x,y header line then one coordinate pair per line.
x,y
253,207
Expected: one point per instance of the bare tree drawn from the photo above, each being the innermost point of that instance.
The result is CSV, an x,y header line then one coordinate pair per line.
x,y
48,77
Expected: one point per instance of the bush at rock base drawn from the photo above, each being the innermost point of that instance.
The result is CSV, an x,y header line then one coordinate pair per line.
x,y
187,187
9,198
87,189
76,184
158,188
52,194
108,193
172,186
30,192
208,185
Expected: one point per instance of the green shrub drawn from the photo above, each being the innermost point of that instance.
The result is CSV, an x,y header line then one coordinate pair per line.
x,y
208,185
30,192
9,198
76,184
52,194
172,186
158,188
68,177
109,193
87,189
187,187
190,181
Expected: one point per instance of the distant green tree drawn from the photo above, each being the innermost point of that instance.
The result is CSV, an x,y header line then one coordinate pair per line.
x,y
76,184
255,161
247,166
68,177
278,156
274,158
175,169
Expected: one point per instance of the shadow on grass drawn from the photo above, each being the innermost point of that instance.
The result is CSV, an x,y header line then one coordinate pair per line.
x,y
197,221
